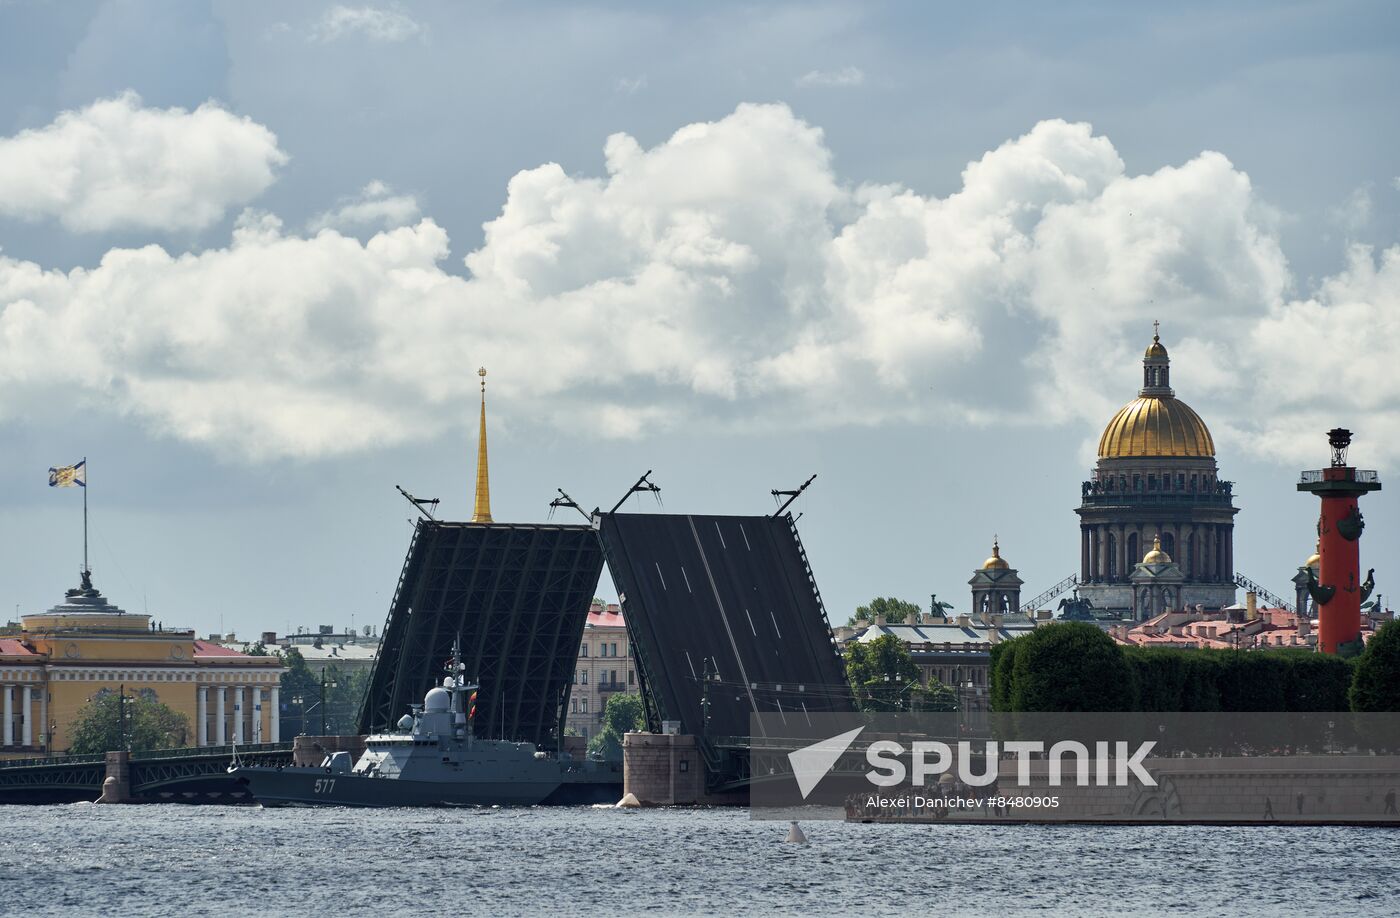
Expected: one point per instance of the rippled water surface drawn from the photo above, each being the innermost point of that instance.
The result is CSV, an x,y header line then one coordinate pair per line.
x,y
173,860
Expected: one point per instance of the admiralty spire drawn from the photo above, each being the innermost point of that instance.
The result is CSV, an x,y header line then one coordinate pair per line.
x,y
1156,479
481,507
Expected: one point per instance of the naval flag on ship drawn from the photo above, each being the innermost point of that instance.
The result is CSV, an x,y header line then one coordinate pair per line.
x,y
69,476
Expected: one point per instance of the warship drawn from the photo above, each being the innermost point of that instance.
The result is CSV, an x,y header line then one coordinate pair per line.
x,y
434,760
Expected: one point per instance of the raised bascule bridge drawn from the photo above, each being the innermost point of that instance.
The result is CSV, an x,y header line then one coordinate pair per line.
x,y
723,615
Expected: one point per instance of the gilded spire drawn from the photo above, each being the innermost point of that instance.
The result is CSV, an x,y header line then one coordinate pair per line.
x,y
481,511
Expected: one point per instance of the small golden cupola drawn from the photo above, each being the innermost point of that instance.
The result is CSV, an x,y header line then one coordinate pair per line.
x,y
996,562
1315,559
1156,555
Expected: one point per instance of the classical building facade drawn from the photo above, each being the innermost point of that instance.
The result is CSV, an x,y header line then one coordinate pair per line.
x,y
1156,478
85,646
605,668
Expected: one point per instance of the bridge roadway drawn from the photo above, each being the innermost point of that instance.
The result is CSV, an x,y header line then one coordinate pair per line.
x,y
191,775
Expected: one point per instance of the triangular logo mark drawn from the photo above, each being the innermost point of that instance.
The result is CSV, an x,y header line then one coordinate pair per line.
x,y
811,763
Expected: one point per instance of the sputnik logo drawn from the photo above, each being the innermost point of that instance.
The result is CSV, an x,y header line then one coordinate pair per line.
x,y
811,763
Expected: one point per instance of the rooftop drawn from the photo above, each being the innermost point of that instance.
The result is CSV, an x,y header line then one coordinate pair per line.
x,y
605,616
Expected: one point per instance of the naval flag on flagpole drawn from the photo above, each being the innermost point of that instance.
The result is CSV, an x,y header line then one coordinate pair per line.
x,y
69,476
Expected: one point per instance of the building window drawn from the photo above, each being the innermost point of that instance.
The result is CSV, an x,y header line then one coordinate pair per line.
x,y
614,648
603,649
583,705
585,677
583,650
631,677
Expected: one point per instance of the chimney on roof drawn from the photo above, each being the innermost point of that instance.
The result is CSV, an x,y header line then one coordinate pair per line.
x,y
269,638
1251,605
879,620
964,620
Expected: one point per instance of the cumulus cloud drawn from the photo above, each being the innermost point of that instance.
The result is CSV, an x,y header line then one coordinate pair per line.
x,y
727,278
117,164
846,76
389,25
376,206
1353,215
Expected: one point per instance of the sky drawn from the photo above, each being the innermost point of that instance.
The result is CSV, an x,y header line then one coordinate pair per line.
x,y
253,253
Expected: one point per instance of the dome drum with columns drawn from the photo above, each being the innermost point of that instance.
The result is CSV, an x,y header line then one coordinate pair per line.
x,y
1156,478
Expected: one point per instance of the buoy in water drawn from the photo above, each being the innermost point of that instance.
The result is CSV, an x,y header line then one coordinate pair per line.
x,y
629,802
795,834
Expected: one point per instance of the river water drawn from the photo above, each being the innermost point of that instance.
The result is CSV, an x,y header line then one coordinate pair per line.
x,y
177,860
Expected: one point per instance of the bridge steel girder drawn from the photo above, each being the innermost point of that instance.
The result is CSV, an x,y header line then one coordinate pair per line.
x,y
518,597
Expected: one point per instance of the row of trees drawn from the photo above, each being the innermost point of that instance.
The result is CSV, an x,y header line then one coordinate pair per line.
x,y
883,677
1075,666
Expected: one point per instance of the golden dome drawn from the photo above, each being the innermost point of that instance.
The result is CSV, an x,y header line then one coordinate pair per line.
x,y
1156,555
1315,559
1156,425
996,562
1155,349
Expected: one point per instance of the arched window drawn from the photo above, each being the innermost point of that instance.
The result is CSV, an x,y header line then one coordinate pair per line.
x,y
1169,544
1133,554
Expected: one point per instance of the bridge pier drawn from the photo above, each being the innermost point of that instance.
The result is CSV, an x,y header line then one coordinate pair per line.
x,y
116,786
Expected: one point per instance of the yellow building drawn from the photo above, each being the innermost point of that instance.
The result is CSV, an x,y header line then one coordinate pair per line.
x,y
85,645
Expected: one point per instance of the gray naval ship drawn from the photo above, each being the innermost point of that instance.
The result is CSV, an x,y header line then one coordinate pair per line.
x,y
434,760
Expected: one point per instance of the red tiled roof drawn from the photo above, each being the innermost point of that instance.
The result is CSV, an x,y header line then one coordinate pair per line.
x,y
610,617
15,648
206,649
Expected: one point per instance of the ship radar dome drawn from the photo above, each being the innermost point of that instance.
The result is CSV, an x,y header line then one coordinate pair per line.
x,y
437,701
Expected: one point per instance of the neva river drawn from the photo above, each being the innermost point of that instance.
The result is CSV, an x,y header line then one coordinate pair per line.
x,y
175,860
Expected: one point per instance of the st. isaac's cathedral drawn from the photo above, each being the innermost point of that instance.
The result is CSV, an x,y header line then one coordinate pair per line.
x,y
1156,525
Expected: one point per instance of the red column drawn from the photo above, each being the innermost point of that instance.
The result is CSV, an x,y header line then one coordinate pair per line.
x,y
1339,620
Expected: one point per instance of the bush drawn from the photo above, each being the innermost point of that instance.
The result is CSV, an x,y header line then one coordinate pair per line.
x,y
1069,670
999,673
1376,683
1070,666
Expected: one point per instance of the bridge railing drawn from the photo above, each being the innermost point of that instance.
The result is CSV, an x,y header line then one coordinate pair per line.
x,y
182,752
54,760
190,751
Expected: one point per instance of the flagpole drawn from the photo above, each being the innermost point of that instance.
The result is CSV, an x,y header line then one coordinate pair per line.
x,y
86,568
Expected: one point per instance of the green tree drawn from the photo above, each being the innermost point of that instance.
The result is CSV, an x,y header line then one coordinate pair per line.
x,y
345,690
883,677
1070,666
1001,668
895,611
622,714
148,724
1375,685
